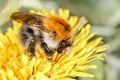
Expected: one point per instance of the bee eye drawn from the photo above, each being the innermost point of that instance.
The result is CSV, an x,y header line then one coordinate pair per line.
x,y
64,43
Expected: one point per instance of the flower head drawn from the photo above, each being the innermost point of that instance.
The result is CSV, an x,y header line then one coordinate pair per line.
x,y
17,65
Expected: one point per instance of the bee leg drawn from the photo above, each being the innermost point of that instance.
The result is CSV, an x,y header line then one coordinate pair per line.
x,y
47,50
31,48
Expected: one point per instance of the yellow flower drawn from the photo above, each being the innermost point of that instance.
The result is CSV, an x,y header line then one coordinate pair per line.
x,y
16,65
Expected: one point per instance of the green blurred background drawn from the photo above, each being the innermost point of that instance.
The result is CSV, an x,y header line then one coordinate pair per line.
x,y
104,15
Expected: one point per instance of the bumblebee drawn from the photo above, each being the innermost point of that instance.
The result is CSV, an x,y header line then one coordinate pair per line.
x,y
50,33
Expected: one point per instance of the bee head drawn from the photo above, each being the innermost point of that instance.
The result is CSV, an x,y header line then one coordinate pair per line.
x,y
63,45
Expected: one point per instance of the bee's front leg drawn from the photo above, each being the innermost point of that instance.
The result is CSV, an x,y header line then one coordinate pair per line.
x,y
47,50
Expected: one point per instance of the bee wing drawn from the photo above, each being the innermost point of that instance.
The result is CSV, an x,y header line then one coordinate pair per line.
x,y
30,19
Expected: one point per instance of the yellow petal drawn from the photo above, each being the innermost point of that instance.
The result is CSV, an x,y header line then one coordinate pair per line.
x,y
40,76
82,74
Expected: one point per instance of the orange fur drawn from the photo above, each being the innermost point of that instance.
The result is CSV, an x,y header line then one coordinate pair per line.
x,y
61,28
